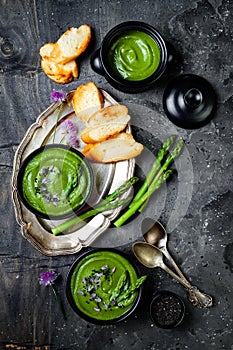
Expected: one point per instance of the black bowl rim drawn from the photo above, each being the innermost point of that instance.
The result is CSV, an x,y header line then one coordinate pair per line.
x,y
182,313
150,30
74,306
20,176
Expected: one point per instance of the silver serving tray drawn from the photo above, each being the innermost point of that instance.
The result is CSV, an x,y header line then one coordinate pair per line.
x,y
108,177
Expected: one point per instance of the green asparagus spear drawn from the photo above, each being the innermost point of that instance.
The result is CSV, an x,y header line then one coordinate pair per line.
x,y
104,205
127,301
174,154
131,289
66,225
155,167
119,191
154,186
121,283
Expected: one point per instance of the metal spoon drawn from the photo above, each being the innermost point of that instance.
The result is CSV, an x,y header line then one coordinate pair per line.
x,y
157,236
151,257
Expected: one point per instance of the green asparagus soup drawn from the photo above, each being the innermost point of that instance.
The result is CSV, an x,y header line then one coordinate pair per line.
x,y
134,56
104,285
55,181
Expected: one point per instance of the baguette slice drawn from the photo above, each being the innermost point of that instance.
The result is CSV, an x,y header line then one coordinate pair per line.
x,y
87,99
105,123
71,44
52,68
118,148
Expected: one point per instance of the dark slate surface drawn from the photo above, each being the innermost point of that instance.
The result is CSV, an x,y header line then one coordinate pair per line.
x,y
200,237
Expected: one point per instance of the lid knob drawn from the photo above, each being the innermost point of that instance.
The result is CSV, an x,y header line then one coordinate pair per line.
x,y
193,98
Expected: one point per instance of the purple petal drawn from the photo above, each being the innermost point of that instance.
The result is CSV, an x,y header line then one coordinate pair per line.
x,y
98,299
114,269
80,292
69,127
96,309
46,181
93,295
106,305
105,267
47,278
84,281
99,274
73,141
58,96
89,288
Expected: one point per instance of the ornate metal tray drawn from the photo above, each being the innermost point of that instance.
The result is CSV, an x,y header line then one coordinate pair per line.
x,y
108,177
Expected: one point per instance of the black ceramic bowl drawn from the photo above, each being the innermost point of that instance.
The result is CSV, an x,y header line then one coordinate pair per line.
x,y
53,167
83,297
167,310
100,59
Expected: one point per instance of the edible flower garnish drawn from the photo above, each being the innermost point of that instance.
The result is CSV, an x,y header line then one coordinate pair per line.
x,y
47,279
122,295
58,96
70,133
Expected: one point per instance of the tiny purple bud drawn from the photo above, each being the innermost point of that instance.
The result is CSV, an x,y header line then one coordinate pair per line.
x,y
105,267
96,309
98,299
84,281
80,292
114,269
93,295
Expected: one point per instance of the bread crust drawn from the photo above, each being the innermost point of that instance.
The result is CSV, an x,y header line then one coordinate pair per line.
x,y
105,123
87,99
118,148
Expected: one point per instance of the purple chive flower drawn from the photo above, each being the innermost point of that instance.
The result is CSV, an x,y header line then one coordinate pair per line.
x,y
89,288
58,96
69,127
80,292
46,181
84,281
114,301
96,309
106,305
98,299
99,274
47,278
73,141
93,295
105,267
114,269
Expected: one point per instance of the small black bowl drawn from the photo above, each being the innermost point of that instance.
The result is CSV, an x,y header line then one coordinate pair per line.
x,y
59,148
100,59
167,310
69,294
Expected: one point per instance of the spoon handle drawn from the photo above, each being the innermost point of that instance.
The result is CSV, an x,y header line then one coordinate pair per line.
x,y
174,275
172,261
198,298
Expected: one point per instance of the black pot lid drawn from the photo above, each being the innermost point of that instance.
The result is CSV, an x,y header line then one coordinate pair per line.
x,y
189,101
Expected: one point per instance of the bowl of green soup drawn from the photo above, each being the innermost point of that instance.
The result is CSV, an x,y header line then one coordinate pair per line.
x,y
103,286
55,181
132,57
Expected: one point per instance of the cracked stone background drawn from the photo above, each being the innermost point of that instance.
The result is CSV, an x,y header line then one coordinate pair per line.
x,y
200,240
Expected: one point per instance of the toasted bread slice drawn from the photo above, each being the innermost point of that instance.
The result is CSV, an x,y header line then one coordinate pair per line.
x,y
61,78
46,51
71,44
105,123
87,99
52,68
118,148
